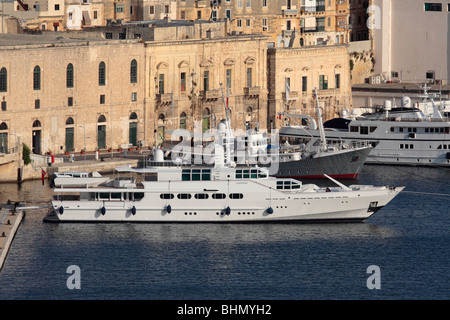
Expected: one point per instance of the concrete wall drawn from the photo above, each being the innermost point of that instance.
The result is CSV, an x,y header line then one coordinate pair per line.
x,y
411,41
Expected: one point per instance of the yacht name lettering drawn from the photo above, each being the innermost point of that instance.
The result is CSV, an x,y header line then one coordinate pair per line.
x,y
194,310
247,309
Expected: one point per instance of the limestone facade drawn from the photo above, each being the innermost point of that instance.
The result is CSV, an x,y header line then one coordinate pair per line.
x,y
61,95
305,69
57,95
191,80
316,22
64,95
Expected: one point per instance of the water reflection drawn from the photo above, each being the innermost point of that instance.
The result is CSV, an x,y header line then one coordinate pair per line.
x,y
231,234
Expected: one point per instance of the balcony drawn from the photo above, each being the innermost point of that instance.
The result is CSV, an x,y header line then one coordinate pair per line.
x,y
312,29
164,98
327,92
252,91
209,95
289,12
293,95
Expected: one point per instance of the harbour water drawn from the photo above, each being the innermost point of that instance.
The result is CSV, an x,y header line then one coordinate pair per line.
x,y
408,240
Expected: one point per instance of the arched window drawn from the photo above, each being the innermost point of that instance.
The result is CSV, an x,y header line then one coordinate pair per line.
x,y
132,129
133,71
3,80
37,78
101,119
36,124
101,74
3,138
69,121
69,76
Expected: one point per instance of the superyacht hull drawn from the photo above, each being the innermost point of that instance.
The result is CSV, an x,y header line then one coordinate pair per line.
x,y
343,164
415,149
268,206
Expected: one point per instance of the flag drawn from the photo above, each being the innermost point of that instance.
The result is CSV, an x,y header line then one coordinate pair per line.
x,y
43,174
287,89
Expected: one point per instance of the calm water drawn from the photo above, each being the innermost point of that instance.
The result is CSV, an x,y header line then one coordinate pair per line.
x,y
408,240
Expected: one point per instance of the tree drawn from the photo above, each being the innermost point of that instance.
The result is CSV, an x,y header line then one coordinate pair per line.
x,y
26,154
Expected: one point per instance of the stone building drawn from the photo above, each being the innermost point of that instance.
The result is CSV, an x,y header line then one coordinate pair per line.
x,y
294,73
315,22
192,80
63,94
59,95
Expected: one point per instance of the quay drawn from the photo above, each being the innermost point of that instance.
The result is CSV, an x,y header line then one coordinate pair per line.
x,y
102,163
11,216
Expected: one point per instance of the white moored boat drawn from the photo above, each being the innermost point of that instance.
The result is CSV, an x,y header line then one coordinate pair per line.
x,y
403,135
223,193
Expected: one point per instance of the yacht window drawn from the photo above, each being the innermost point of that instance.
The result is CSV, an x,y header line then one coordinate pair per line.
x,y
138,195
401,146
201,196
426,130
186,175
439,147
400,129
103,196
195,174
236,195
206,174
392,129
184,196
287,184
166,196
354,129
116,196
372,129
364,130
219,196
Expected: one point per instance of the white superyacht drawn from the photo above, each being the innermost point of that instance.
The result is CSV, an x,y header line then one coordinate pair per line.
x,y
405,135
220,194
